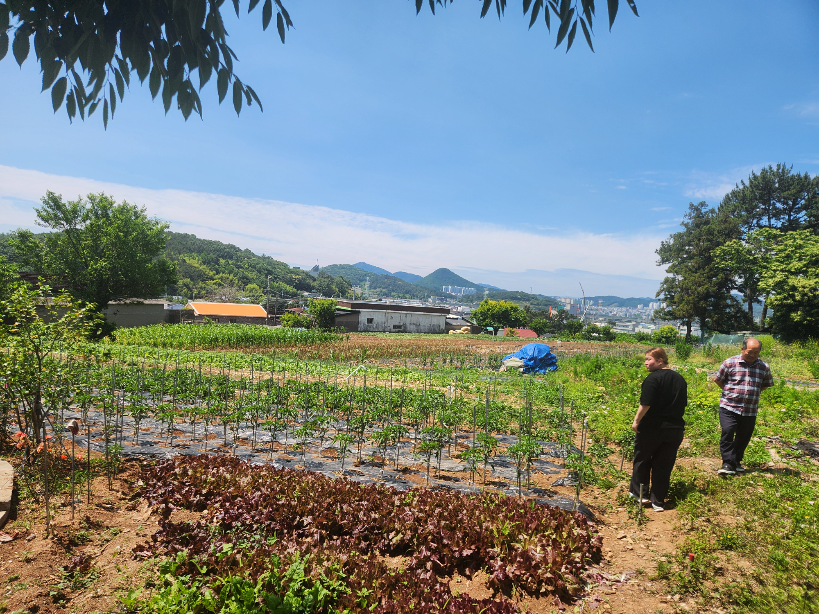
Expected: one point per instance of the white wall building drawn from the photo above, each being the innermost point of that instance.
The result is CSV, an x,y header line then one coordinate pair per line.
x,y
379,317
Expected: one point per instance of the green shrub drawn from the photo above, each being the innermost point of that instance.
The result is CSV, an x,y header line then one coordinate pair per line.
x,y
682,350
666,335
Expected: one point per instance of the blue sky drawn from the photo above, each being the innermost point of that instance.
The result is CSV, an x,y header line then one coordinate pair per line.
x,y
413,142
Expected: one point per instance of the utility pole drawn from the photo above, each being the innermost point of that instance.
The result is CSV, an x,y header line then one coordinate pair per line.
x,y
268,297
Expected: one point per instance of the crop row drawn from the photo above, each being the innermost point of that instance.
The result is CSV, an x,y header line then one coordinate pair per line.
x,y
388,549
228,336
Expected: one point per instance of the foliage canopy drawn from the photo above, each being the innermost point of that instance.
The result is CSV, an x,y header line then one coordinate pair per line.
x,y
100,251
88,49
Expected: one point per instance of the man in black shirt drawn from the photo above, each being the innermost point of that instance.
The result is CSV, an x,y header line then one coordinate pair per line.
x,y
660,427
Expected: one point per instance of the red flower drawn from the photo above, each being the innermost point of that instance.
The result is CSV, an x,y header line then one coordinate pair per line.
x,y
63,456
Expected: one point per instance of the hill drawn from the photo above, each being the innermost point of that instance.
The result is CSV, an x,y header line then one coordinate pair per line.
x,y
411,278
386,285
372,268
444,277
205,266
537,302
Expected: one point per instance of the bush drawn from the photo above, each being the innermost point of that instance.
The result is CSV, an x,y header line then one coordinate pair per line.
x,y
667,335
295,320
682,350
324,312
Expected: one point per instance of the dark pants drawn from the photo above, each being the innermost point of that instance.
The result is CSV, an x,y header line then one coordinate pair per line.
x,y
736,435
655,451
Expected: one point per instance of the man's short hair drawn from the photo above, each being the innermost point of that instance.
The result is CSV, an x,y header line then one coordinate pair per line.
x,y
745,342
658,354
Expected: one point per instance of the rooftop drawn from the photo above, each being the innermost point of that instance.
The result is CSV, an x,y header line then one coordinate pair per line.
x,y
228,309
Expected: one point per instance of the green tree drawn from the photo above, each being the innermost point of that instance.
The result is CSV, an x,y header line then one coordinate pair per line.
x,y
499,314
37,332
323,312
295,320
790,277
88,49
698,286
773,198
99,250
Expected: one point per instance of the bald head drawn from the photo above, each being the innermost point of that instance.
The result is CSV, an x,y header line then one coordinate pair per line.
x,y
750,350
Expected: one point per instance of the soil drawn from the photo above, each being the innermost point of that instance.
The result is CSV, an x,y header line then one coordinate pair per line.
x,y
108,529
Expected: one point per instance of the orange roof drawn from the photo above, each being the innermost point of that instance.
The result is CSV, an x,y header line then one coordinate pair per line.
x,y
228,309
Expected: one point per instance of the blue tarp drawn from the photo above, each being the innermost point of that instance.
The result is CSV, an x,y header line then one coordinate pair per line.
x,y
536,357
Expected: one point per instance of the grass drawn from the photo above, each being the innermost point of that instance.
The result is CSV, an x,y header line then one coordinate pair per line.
x,y
754,538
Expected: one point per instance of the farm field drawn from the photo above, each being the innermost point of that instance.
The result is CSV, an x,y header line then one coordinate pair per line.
x,y
425,476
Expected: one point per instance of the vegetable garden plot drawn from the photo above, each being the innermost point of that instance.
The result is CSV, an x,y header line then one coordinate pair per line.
x,y
347,534
388,431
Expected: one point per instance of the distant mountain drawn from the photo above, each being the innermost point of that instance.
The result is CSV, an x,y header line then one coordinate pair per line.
x,y
492,287
386,285
616,301
371,268
444,277
408,277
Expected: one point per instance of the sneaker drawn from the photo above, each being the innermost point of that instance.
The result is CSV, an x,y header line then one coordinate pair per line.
x,y
635,497
657,508
740,468
726,469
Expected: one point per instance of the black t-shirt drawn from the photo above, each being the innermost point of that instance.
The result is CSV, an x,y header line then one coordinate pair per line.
x,y
666,393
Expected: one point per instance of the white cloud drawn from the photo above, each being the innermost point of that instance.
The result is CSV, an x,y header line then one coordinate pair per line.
x,y
712,187
299,233
620,187
660,208
805,109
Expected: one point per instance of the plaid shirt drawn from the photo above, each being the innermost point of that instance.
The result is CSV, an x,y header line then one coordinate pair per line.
x,y
742,384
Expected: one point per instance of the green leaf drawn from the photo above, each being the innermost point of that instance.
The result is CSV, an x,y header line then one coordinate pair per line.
x,y
80,98
431,6
71,106
571,36
123,69
418,5
255,97
222,79
155,81
536,12
167,96
4,16
236,7
280,26
485,8
237,96
112,95
120,83
564,9
285,13
51,71
252,6
105,114
564,28
205,71
4,45
267,13
58,93
526,5
613,6
21,45
633,7
586,34
196,13
92,108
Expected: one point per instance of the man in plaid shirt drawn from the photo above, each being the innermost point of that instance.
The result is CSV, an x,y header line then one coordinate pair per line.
x,y
742,378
